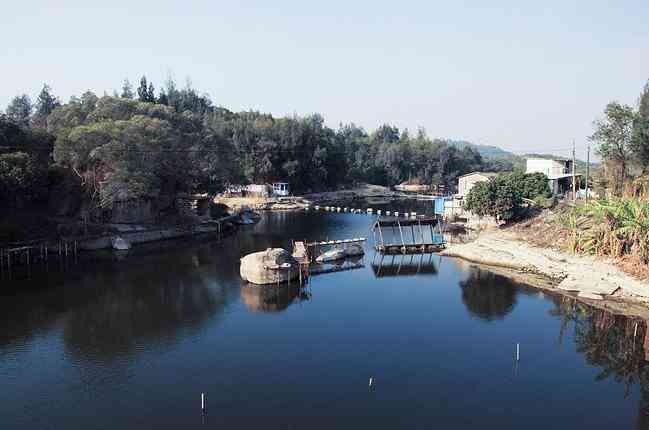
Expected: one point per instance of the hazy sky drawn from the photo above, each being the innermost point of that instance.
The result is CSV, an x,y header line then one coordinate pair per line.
x,y
521,76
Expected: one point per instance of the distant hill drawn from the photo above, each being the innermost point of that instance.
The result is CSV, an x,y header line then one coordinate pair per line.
x,y
487,151
518,162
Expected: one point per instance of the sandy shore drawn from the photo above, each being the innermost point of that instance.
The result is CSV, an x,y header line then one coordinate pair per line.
x,y
588,278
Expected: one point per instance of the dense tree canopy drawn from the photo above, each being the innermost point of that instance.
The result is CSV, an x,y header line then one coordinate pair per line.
x,y
137,144
20,110
24,161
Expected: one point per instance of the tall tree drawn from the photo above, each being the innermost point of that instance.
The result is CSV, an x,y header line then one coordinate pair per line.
x,y
163,99
151,93
127,90
145,92
640,142
45,104
613,134
20,110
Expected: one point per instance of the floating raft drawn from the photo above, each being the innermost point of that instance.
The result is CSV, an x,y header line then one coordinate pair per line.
x,y
408,236
405,222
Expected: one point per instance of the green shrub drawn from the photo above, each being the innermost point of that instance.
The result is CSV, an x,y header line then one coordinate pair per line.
x,y
545,202
499,197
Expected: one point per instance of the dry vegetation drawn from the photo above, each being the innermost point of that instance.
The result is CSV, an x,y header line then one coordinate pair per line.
x,y
616,228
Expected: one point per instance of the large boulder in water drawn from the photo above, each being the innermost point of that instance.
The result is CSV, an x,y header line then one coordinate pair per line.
x,y
269,267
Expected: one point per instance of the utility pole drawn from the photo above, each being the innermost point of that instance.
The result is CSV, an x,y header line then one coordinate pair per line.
x,y
587,169
574,182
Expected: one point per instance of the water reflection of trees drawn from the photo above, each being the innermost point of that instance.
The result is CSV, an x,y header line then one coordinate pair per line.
x,y
487,295
616,344
113,308
272,298
144,307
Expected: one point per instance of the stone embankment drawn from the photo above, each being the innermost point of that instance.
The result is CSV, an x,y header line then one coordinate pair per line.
x,y
136,234
583,276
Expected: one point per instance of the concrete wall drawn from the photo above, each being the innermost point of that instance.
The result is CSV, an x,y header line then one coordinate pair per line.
x,y
551,168
465,183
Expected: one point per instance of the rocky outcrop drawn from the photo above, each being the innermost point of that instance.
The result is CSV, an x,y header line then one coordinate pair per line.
x,y
269,267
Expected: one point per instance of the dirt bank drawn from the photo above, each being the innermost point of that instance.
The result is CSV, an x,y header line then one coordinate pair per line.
x,y
237,204
581,276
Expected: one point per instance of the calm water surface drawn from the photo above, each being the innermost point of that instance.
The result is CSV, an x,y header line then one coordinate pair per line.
x,y
131,343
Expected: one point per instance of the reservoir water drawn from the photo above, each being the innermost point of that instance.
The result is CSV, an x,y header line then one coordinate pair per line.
x,y
131,343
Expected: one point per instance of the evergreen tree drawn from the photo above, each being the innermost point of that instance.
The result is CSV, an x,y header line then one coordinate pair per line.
x,y
45,104
127,90
20,110
143,90
163,99
640,141
151,93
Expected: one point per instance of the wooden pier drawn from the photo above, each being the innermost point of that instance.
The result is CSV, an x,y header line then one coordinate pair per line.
x,y
415,235
26,254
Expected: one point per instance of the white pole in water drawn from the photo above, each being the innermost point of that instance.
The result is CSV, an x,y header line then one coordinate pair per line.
x,y
518,352
370,382
202,401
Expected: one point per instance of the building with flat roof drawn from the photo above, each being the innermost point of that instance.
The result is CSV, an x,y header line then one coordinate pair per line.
x,y
468,181
558,171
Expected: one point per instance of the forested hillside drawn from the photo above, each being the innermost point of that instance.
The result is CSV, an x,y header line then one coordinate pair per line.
x,y
147,143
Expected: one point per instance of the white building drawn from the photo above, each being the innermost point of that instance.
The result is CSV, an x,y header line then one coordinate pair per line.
x,y
468,181
558,171
281,189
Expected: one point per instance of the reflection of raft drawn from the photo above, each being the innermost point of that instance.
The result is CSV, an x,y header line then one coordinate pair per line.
x,y
404,265
351,250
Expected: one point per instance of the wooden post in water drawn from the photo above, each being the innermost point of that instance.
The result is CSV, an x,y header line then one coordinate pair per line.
x,y
403,243
412,230
518,355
